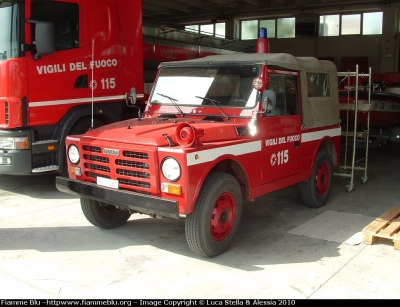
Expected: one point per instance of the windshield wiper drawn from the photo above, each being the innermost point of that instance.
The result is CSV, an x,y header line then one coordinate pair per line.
x,y
214,102
173,100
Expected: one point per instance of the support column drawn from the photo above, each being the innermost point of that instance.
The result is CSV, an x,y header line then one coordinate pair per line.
x,y
232,28
390,40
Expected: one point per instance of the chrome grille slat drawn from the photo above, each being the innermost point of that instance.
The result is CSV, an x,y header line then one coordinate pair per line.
x,y
137,155
132,164
96,158
134,183
130,173
91,148
94,175
97,167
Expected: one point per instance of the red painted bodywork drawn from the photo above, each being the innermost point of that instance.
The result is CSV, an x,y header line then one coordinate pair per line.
x,y
41,95
146,137
48,84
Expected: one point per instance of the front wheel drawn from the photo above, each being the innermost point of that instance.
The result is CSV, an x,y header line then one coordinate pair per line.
x,y
212,225
103,215
315,192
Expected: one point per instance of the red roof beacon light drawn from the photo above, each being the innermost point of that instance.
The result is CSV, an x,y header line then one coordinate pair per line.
x,y
262,45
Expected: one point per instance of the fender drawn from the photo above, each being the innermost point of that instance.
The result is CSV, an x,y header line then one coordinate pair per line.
x,y
327,144
213,166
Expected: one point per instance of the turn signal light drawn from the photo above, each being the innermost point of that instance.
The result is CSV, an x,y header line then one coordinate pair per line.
x,y
21,143
73,170
169,188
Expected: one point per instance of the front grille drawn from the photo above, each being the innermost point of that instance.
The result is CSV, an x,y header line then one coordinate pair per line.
x,y
7,112
132,169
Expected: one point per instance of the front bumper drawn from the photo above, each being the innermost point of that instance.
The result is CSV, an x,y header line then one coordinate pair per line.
x,y
121,198
21,160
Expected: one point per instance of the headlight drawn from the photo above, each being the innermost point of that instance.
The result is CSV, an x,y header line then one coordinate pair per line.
x,y
171,169
21,142
73,154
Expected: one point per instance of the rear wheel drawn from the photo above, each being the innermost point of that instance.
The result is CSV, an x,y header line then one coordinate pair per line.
x,y
103,215
315,192
212,225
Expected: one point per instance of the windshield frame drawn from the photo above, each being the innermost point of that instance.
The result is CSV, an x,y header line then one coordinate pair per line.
x,y
12,28
180,87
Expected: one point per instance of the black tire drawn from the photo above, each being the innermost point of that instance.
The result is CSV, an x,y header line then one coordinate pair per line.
x,y
84,124
315,192
212,225
395,149
80,127
103,215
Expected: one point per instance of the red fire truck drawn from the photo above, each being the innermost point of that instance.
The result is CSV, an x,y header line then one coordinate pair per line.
x,y
216,131
62,61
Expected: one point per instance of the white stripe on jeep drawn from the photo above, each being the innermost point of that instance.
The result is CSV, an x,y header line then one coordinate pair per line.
x,y
203,156
317,135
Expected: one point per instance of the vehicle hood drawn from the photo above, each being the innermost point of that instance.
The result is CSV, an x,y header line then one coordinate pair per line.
x,y
156,131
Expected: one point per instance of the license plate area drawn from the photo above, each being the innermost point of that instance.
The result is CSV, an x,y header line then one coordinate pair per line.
x,y
109,183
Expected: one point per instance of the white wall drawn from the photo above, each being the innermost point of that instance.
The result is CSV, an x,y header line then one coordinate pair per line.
x,y
382,50
336,47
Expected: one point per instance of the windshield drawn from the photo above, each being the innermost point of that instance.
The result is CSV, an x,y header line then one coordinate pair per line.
x,y
222,85
9,29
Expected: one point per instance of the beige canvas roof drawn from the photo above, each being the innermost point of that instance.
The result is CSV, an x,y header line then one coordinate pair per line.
x,y
316,111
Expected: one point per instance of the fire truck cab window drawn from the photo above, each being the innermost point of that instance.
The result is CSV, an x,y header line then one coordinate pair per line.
x,y
65,16
285,88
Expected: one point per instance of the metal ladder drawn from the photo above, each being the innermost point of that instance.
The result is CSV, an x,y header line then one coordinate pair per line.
x,y
354,134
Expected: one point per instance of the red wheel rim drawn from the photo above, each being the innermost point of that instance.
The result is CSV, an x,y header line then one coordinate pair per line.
x,y
322,178
222,216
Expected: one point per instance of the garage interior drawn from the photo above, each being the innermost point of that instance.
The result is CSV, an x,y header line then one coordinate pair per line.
x,y
283,250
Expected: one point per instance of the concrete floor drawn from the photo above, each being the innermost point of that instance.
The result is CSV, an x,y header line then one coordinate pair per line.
x,y
49,250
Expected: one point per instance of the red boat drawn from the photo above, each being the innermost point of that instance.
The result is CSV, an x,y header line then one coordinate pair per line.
x,y
378,109
384,108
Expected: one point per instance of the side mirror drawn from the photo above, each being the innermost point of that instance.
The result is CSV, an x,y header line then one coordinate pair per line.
x,y
132,98
268,100
45,37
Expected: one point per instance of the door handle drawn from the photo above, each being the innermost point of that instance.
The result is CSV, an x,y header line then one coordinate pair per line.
x,y
296,144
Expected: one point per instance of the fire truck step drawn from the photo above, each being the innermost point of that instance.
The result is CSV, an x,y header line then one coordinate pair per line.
x,y
49,168
44,142
386,226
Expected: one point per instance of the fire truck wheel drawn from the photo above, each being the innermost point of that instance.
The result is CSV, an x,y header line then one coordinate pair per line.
x,y
315,192
212,225
103,215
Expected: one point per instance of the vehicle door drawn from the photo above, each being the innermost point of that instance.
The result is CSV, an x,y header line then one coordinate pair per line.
x,y
280,128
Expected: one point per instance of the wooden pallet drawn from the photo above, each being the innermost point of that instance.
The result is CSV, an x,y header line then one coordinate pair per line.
x,y
386,226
